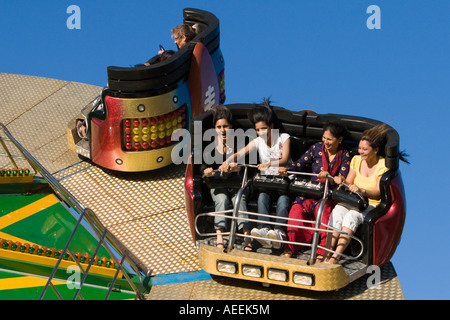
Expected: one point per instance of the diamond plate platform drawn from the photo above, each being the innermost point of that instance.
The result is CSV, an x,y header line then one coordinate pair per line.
x,y
36,112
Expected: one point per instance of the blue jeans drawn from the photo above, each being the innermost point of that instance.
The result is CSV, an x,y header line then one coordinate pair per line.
x,y
223,200
264,204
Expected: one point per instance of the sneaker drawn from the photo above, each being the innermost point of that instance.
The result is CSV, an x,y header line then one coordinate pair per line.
x,y
276,235
262,233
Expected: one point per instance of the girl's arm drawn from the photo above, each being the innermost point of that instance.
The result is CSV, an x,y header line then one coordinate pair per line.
x,y
208,172
350,177
285,150
285,153
233,159
374,194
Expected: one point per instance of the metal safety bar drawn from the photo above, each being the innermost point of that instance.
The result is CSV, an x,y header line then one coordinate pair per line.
x,y
329,229
87,215
237,203
317,223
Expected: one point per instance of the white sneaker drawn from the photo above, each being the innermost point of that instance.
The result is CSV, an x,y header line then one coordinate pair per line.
x,y
262,233
276,235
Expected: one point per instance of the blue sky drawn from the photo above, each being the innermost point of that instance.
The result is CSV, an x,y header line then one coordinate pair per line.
x,y
317,55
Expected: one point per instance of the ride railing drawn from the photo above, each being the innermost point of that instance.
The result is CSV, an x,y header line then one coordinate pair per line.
x,y
236,215
104,237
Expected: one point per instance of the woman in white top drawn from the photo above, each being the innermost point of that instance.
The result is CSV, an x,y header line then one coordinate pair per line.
x,y
273,151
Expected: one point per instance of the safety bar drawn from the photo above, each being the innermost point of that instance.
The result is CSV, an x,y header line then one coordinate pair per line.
x,y
84,213
329,229
237,203
317,223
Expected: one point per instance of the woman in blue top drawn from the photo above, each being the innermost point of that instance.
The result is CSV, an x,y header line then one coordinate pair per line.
x,y
326,158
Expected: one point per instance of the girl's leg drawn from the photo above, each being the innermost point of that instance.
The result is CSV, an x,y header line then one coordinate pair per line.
x,y
262,228
219,243
264,201
247,241
221,203
332,239
342,244
336,219
351,221
283,207
296,234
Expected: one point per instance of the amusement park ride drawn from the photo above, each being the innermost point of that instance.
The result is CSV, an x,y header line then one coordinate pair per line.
x,y
129,126
128,129
375,242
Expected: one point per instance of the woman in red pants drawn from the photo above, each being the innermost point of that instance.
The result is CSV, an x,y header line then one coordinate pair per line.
x,y
325,158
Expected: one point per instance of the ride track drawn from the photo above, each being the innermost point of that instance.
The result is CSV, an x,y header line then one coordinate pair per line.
x,y
145,211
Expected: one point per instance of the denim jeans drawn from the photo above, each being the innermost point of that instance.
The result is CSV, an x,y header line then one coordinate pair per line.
x,y
264,204
223,200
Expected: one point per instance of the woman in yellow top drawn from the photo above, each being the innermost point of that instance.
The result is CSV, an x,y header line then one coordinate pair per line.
x,y
364,177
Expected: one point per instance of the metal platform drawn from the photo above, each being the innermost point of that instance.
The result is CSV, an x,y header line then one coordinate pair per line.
x,y
222,288
145,211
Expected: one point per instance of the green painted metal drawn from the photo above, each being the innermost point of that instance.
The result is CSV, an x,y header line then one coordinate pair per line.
x,y
50,227
38,217
66,290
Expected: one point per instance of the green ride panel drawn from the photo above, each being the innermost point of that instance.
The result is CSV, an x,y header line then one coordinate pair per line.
x,y
50,226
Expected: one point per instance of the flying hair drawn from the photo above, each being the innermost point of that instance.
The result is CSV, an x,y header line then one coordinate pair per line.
x,y
377,138
262,112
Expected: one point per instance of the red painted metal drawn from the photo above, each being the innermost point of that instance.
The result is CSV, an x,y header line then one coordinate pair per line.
x,y
387,230
203,83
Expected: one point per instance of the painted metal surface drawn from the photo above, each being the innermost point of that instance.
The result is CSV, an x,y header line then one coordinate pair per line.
x,y
203,81
113,147
37,219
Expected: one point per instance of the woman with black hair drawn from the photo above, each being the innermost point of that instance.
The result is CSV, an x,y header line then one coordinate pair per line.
x,y
273,150
327,157
224,197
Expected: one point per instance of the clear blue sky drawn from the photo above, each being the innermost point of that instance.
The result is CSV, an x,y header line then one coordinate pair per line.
x,y
304,54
